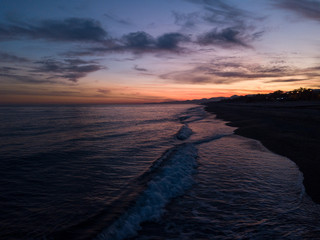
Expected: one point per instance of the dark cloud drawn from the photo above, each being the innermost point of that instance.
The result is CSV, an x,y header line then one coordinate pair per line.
x,y
70,69
225,38
170,41
286,80
138,40
305,8
140,69
199,79
5,57
316,68
4,69
103,91
145,42
70,29
10,74
77,61
232,26
243,75
273,69
24,79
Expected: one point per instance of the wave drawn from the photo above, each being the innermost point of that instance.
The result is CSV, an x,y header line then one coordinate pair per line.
x,y
184,132
193,114
169,178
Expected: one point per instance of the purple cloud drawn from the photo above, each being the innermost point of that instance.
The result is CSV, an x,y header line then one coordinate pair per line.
x,y
306,8
70,29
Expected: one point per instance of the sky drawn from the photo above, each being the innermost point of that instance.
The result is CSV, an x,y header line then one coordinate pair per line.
x,y
124,51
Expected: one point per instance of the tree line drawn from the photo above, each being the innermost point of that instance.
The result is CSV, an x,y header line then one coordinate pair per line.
x,y
300,94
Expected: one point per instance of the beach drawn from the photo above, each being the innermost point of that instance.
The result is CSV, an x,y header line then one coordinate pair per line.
x,y
290,129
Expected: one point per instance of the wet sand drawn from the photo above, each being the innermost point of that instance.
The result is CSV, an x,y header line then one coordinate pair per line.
x,y
291,129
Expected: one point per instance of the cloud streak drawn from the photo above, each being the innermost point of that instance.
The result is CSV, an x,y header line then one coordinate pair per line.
x,y
117,19
226,37
6,57
139,43
136,67
287,80
221,13
70,69
142,41
305,8
103,91
220,72
70,29
187,21
24,79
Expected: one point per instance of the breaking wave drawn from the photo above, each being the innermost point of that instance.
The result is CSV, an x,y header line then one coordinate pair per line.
x,y
184,132
170,178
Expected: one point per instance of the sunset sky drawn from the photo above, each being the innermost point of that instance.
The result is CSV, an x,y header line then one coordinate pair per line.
x,y
131,51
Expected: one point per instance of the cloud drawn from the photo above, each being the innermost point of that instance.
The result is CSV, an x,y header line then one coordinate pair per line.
x,y
232,26
7,69
70,69
226,37
138,40
117,19
139,43
287,80
170,41
189,20
51,71
225,72
220,12
234,70
23,78
189,76
89,30
305,8
70,29
39,92
103,91
140,69
144,41
5,57
9,74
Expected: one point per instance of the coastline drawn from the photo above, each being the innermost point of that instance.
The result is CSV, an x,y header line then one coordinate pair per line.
x,y
290,129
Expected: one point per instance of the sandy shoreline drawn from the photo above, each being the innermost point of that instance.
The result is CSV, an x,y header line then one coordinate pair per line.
x,y
291,129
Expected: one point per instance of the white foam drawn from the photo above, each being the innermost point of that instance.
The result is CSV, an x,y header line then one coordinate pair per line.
x,y
171,181
184,132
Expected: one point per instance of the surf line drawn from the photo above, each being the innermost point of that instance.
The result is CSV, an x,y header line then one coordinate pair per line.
x,y
171,180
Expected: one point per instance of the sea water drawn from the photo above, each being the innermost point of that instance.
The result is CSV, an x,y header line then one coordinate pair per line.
x,y
143,172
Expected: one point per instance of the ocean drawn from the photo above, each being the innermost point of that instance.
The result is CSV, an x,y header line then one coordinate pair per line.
x,y
153,171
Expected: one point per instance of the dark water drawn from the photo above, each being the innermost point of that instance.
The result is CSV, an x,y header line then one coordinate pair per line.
x,y
143,172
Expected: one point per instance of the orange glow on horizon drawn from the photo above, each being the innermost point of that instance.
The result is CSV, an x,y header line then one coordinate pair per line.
x,y
138,98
